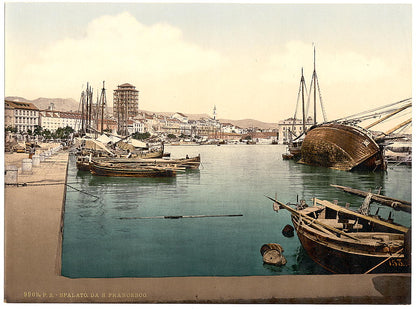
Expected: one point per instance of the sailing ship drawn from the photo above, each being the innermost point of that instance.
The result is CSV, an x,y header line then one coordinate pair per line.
x,y
348,242
295,141
343,145
294,149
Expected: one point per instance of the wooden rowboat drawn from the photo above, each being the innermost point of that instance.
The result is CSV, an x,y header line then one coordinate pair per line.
x,y
346,242
188,163
119,170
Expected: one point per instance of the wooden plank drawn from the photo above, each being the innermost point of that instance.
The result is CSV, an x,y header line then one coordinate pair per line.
x,y
180,217
313,222
385,200
356,214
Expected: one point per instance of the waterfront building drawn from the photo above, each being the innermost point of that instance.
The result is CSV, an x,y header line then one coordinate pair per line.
x,y
125,105
230,128
138,126
288,126
21,115
51,119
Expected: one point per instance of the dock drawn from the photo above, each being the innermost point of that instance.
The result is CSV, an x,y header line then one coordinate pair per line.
x,y
34,215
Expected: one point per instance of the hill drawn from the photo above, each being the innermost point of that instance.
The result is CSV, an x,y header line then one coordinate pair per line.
x,y
250,123
72,105
44,103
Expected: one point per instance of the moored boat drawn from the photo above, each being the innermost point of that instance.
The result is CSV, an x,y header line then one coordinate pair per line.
x,y
181,163
121,170
83,163
187,162
347,242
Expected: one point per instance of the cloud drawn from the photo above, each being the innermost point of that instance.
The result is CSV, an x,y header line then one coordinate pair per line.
x,y
333,66
114,48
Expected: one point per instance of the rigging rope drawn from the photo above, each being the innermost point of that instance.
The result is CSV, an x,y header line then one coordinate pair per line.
x,y
320,99
374,109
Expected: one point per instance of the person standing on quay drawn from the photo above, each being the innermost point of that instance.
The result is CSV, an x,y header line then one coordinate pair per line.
x,y
31,151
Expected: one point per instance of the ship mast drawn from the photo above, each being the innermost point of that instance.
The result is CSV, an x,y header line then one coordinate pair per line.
x,y
302,81
314,88
103,101
316,91
82,112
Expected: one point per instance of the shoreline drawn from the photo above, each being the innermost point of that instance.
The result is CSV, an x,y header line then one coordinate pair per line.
x,y
34,217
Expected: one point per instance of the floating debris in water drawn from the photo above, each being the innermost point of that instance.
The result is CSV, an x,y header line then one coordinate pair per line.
x,y
288,231
273,254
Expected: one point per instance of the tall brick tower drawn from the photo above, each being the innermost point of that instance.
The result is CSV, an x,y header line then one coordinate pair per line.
x,y
125,105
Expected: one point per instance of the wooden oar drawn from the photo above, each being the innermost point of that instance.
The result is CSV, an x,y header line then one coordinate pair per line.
x,y
384,261
313,221
180,217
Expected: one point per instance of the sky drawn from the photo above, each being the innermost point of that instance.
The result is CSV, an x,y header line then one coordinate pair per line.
x,y
244,58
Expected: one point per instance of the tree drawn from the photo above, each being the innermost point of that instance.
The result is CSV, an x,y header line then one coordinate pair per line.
x,y
63,133
38,130
11,129
47,134
141,136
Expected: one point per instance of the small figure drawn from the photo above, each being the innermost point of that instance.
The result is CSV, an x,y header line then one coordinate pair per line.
x,y
31,151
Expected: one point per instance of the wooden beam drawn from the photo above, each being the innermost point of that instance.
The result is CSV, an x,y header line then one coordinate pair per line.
x,y
313,221
396,227
385,200
388,116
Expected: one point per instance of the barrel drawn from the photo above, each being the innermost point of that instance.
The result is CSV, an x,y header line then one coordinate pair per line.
x,y
35,160
42,157
27,165
271,246
11,173
274,257
272,254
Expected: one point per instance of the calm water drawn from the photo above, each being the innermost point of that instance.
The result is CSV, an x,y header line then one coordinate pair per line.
x,y
233,179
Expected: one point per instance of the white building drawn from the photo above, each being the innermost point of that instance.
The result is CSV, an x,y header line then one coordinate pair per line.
x,y
230,128
52,120
21,115
138,126
292,127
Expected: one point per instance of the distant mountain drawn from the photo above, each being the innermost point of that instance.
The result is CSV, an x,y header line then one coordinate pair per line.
x,y
44,103
72,105
244,123
250,123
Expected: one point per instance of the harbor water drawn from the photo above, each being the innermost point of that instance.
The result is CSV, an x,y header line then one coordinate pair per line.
x,y
104,236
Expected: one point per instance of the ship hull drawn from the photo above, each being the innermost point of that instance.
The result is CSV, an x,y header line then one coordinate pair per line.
x,y
341,147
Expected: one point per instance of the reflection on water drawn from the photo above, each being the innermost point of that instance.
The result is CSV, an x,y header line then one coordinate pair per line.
x,y
233,179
